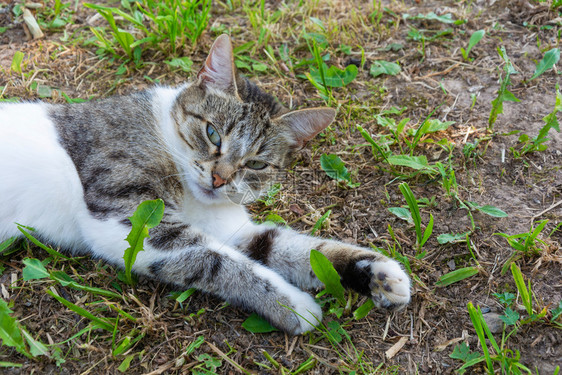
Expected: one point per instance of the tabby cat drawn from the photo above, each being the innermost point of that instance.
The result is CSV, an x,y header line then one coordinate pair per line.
x,y
76,172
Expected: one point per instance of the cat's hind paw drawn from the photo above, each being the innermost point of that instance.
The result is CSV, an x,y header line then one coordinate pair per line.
x,y
390,285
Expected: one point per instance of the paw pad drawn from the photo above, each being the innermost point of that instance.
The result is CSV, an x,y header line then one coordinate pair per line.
x,y
390,286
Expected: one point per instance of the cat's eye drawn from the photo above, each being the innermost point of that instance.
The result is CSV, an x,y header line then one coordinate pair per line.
x,y
213,135
256,164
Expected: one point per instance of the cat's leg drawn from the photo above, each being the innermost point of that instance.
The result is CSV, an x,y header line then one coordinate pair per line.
x,y
180,255
362,270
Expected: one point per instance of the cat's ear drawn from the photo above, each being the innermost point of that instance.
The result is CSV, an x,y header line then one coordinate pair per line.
x,y
305,124
219,72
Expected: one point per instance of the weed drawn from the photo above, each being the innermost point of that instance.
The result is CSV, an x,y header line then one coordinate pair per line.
x,y
421,237
320,222
271,196
11,333
549,59
324,270
411,137
524,244
335,168
507,359
261,21
321,76
384,67
538,143
449,183
256,324
504,95
183,63
56,16
245,62
17,62
461,273
171,22
119,38
474,39
147,216
209,365
426,36
456,276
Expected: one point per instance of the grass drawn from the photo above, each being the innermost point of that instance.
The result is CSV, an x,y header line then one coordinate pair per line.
x,y
406,141
171,23
494,353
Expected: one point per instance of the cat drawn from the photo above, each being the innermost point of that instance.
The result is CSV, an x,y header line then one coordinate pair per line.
x,y
76,172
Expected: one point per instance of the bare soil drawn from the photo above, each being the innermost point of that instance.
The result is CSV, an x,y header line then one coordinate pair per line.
x,y
526,188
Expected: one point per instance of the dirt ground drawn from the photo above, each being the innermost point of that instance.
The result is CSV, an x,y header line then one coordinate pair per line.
x,y
441,82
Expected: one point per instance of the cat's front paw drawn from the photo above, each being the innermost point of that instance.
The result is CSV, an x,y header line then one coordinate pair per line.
x,y
307,312
390,285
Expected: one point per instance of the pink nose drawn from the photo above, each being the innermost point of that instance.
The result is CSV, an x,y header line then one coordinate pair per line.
x,y
218,181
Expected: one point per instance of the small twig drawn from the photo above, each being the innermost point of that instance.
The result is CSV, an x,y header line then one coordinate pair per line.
x,y
385,332
292,347
229,360
94,366
545,211
162,369
446,71
411,327
318,358
394,349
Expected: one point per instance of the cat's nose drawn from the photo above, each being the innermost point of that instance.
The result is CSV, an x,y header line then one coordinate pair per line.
x,y
218,181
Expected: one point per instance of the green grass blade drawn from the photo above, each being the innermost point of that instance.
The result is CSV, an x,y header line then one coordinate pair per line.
x,y
474,39
16,62
10,364
372,142
428,230
470,363
55,254
457,275
363,310
530,240
418,163
66,280
488,332
491,210
6,244
477,322
320,221
103,323
414,209
522,288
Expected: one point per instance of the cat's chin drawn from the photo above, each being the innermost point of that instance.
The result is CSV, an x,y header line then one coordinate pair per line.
x,y
208,196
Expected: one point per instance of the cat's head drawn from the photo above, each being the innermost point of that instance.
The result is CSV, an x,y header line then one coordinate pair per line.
x,y
235,140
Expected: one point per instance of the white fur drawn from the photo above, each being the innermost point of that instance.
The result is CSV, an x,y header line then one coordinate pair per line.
x,y
396,278
308,312
39,186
